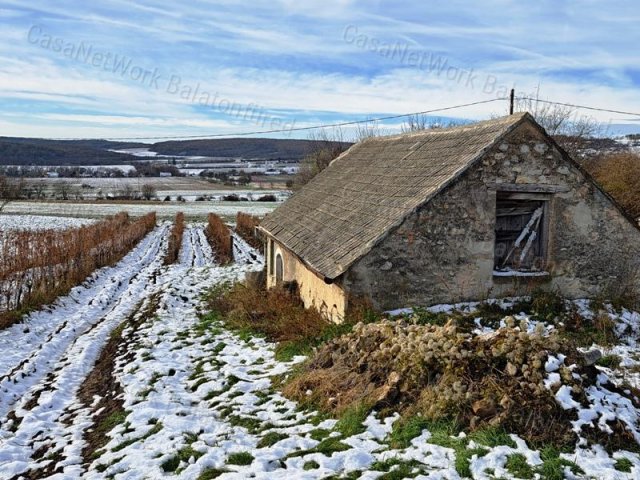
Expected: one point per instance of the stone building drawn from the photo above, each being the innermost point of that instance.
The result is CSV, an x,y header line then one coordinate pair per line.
x,y
491,209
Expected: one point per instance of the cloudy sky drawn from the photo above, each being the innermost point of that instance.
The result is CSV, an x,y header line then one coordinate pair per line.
x,y
131,68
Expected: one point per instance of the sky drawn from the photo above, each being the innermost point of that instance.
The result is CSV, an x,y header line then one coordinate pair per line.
x,y
147,68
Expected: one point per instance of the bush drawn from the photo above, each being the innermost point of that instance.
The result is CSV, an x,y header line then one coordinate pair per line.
x,y
231,198
37,266
267,198
619,175
175,240
274,313
280,316
246,227
220,239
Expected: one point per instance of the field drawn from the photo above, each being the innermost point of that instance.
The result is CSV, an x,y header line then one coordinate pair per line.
x,y
187,187
165,210
128,376
40,222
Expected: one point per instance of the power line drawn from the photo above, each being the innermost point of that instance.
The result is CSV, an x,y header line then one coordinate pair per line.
x,y
297,129
584,107
357,122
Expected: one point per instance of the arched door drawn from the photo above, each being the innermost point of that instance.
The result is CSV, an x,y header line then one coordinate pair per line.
x,y
279,269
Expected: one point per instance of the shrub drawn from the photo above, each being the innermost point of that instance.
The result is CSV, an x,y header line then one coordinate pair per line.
x,y
175,240
38,266
274,313
246,227
219,237
619,175
279,315
270,197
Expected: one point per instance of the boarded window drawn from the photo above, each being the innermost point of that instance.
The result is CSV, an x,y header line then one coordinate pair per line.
x,y
279,269
520,234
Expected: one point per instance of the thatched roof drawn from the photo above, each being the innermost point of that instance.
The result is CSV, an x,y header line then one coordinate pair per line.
x,y
351,205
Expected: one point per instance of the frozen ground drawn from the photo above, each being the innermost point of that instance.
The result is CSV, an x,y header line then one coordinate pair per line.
x,y
40,222
197,401
164,210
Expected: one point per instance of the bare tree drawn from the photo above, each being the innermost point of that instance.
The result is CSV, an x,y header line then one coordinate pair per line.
x,y
10,189
328,144
420,121
148,191
127,192
62,190
569,128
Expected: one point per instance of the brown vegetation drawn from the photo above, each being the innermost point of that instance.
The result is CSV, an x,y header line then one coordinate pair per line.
x,y
275,313
175,240
619,175
438,372
38,266
219,237
246,227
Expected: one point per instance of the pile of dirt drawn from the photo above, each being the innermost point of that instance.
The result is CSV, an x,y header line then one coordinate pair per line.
x,y
495,379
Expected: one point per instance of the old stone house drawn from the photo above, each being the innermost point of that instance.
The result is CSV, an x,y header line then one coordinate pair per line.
x,y
494,208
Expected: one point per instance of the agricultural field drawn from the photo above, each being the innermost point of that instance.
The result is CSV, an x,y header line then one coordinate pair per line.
x,y
188,187
195,211
40,222
134,374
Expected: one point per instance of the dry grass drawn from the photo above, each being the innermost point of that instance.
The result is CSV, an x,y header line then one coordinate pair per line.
x,y
275,313
619,175
175,240
219,237
246,227
36,267
280,316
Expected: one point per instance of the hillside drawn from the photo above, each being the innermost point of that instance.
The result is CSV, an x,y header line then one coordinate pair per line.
x,y
43,152
264,148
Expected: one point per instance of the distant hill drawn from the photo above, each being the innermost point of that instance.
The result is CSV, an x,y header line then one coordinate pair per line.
x,y
263,148
43,152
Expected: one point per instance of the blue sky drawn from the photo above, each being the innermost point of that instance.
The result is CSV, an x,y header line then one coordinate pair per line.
x,y
152,67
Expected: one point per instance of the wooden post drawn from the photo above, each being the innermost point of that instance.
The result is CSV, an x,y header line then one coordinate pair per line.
x,y
511,99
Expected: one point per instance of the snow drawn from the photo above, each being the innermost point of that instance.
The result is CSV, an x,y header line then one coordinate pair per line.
x,y
553,363
163,209
212,390
40,222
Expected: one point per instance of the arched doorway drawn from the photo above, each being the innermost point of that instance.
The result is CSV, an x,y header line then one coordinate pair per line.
x,y
279,269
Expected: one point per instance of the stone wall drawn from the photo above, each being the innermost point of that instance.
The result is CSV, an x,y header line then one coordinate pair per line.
x,y
444,252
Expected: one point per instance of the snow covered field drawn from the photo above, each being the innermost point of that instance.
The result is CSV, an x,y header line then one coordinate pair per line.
x,y
197,401
40,222
164,210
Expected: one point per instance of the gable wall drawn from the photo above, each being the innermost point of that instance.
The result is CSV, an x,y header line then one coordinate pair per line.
x,y
329,299
444,252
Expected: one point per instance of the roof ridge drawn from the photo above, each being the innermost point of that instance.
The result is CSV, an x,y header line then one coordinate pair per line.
x,y
506,119
370,189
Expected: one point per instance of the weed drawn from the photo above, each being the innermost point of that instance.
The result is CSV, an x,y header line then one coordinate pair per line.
x,y
351,420
623,465
610,361
271,439
240,458
311,465
211,473
406,429
518,467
